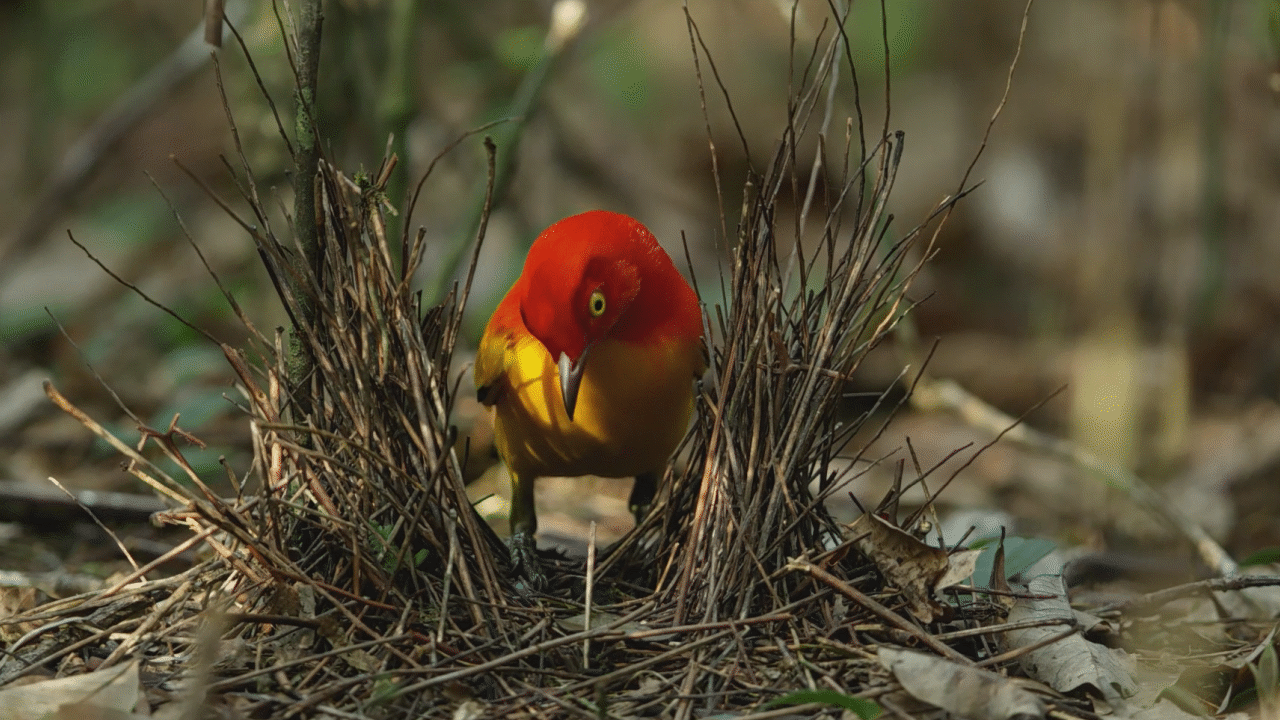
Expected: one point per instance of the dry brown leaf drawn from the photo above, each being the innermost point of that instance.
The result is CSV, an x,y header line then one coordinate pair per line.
x,y
109,693
919,570
13,601
964,691
1071,662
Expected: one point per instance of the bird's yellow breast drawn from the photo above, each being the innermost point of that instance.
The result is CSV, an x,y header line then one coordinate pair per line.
x,y
633,408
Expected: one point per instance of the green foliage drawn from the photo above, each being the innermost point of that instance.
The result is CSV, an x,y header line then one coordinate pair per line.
x,y
385,551
1020,553
1265,556
385,689
864,709
1266,680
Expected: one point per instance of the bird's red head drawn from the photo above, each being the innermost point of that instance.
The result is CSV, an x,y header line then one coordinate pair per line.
x,y
601,275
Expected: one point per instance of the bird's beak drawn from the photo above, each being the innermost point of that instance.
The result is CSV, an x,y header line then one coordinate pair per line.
x,y
571,379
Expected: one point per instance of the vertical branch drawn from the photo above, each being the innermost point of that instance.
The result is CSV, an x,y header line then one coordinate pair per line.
x,y
308,156
306,160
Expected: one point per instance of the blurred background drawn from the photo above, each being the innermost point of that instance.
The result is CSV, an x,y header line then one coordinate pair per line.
x,y
1119,260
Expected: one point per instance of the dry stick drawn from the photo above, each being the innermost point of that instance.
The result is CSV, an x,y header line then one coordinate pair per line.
x,y
75,412
448,573
879,610
174,552
635,667
1153,600
660,632
229,683
254,333
684,704
63,651
524,652
450,330
439,457
831,67
788,711
948,395
706,120
591,580
38,504
161,610
92,600
1026,650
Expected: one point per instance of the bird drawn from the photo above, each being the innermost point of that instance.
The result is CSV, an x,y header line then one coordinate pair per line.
x,y
589,363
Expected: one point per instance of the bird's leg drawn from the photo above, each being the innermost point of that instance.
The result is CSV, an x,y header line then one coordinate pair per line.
x,y
524,523
642,494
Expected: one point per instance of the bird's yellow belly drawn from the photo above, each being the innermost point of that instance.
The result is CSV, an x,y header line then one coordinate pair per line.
x,y
633,408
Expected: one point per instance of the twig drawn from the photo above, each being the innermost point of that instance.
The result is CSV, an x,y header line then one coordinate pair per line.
x,y
536,649
38,505
93,516
1018,652
591,584
120,447
948,395
879,610
1150,601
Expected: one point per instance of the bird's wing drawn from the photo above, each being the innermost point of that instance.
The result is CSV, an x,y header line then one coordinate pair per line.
x,y
494,355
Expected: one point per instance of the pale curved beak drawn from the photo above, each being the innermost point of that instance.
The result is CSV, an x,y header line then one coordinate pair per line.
x,y
571,379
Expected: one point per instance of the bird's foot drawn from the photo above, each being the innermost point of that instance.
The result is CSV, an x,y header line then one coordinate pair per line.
x,y
639,512
524,560
642,494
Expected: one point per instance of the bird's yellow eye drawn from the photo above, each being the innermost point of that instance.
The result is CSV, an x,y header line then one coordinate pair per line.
x,y
596,304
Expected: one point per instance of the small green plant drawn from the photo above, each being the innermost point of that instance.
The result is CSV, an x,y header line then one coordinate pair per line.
x,y
863,708
386,555
1266,680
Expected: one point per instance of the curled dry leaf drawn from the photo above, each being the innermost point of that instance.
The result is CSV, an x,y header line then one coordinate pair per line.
x,y
918,569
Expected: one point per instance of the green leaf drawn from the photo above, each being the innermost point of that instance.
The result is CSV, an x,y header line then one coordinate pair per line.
x,y
864,709
1266,676
1265,556
1019,554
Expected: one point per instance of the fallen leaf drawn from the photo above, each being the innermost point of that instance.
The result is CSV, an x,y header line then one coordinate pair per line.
x,y
106,693
968,692
1071,662
921,571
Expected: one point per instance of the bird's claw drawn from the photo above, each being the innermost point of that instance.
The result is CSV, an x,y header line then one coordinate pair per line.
x,y
642,494
524,560
640,512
